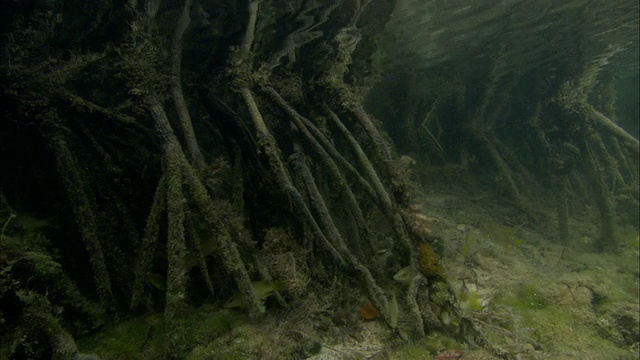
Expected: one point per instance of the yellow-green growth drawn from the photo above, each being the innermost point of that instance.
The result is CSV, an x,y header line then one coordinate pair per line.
x,y
137,338
470,300
525,296
430,265
436,342
412,352
144,337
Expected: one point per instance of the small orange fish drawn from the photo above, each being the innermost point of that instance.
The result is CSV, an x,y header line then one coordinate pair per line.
x,y
368,311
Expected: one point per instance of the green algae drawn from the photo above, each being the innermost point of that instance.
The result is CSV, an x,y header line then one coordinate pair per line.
x,y
137,338
525,296
412,352
144,337
571,334
426,348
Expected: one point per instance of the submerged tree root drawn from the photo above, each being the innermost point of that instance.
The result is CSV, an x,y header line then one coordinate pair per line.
x,y
268,145
85,216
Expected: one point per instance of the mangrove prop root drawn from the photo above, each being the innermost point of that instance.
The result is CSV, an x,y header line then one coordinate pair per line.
x,y
608,240
182,170
562,208
265,275
503,168
412,300
231,259
62,344
315,135
377,295
335,172
249,34
149,244
176,251
269,147
191,142
201,257
85,216
176,245
364,162
387,201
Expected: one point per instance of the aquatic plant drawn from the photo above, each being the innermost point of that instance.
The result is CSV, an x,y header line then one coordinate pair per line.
x,y
504,236
470,300
470,240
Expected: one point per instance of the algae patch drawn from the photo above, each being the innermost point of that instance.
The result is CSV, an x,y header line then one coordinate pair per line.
x,y
145,337
430,264
524,296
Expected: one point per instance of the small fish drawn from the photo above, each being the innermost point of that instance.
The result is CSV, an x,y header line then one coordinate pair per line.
x,y
207,247
393,312
34,224
445,317
368,311
157,281
262,289
405,275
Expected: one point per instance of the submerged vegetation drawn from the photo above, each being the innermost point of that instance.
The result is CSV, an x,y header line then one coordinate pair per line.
x,y
244,179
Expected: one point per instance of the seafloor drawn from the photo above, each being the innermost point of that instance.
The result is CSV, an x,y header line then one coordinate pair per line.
x,y
530,297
